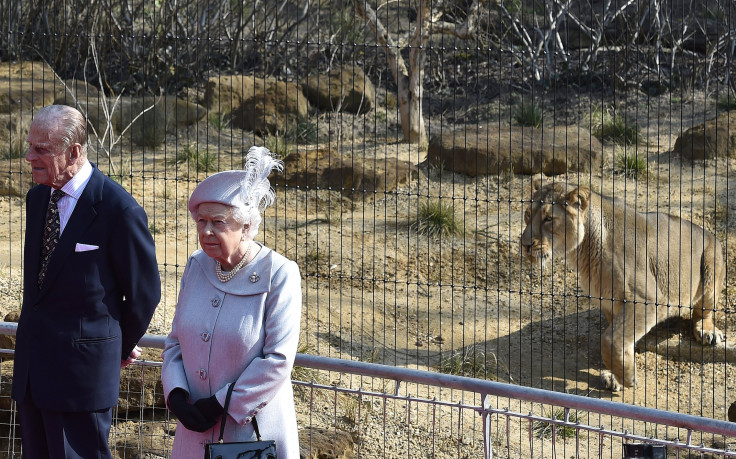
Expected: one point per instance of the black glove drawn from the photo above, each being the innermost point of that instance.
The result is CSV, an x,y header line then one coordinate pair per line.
x,y
210,407
189,415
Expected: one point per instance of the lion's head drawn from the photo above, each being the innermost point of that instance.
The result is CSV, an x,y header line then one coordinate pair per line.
x,y
555,221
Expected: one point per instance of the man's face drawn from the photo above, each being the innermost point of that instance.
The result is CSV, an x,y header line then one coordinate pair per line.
x,y
51,161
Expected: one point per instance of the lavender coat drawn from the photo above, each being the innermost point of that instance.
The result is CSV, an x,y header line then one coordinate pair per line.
x,y
247,330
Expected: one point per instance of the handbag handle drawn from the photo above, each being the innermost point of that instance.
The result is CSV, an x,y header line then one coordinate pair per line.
x,y
224,416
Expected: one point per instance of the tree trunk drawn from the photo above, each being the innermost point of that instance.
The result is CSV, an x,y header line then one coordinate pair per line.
x,y
408,81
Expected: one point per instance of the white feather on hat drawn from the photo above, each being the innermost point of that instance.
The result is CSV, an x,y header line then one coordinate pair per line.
x,y
240,188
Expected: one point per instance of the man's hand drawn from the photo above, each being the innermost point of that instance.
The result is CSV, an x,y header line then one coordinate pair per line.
x,y
131,358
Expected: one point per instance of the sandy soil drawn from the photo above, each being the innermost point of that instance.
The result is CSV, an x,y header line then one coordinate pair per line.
x,y
377,291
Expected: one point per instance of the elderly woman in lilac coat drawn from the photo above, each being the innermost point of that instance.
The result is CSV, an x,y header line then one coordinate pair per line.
x,y
237,320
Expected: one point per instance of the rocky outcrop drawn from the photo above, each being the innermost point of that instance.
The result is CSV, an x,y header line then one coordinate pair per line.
x,y
261,105
715,138
318,443
327,169
344,89
521,150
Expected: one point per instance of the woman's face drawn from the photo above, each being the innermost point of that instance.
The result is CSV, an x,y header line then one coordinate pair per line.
x,y
219,233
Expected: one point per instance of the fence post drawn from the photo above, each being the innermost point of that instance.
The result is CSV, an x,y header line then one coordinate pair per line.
x,y
485,412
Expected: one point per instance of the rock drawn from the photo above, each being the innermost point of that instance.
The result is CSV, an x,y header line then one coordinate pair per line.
x,y
13,133
319,443
140,386
16,183
78,90
732,412
223,93
323,168
271,109
490,150
147,119
345,89
141,440
8,341
715,138
25,85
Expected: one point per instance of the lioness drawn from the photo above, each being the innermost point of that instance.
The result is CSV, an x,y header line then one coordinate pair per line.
x,y
644,267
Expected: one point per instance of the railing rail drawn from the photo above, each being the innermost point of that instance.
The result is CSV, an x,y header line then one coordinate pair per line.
x,y
487,389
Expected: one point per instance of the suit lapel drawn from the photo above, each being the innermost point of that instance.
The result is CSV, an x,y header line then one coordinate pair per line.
x,y
82,217
38,200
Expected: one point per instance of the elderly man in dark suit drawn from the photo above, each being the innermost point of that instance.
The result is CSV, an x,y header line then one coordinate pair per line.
x,y
91,285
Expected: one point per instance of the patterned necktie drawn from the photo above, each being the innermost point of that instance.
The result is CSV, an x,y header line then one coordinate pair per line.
x,y
50,233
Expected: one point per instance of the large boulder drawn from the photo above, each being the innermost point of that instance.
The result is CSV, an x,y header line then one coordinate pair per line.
x,y
319,443
25,85
345,89
146,119
271,109
261,105
327,169
76,90
226,92
521,150
715,138
140,386
13,133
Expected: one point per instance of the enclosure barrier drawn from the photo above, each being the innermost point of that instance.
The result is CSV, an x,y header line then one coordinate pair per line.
x,y
395,423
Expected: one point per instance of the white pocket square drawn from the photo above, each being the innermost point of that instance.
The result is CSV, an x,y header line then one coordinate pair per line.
x,y
85,247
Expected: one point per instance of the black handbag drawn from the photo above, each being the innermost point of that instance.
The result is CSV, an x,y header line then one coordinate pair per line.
x,y
260,449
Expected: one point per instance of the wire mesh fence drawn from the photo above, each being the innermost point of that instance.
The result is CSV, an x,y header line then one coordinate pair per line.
x,y
414,134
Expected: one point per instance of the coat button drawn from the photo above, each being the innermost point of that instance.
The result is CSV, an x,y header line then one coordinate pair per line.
x,y
206,336
202,373
215,301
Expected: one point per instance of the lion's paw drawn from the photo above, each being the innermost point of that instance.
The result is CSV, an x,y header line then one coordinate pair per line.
x,y
708,336
609,381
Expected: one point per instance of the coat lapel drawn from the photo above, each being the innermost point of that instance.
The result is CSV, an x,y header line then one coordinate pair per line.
x,y
38,200
82,217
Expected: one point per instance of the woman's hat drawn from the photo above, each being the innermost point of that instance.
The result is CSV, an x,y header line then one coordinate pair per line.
x,y
240,188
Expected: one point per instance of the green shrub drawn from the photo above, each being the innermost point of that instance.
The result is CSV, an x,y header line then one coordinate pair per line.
x,y
610,127
202,161
435,218
544,429
468,361
220,120
529,114
727,102
633,166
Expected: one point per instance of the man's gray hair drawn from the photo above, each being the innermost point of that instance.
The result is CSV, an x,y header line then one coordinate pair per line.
x,y
70,123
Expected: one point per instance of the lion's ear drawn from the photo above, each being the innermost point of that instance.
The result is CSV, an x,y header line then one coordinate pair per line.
x,y
579,197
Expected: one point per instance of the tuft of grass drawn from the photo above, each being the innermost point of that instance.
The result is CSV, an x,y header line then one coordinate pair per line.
x,y
610,127
468,361
220,120
153,228
529,114
727,102
544,429
203,160
303,131
277,144
435,218
633,166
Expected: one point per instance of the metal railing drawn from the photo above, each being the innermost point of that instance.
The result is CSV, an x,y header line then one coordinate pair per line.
x,y
407,412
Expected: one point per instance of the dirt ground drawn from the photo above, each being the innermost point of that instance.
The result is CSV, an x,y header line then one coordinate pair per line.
x,y
377,291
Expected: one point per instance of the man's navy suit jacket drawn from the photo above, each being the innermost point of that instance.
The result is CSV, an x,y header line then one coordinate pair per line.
x,y
94,305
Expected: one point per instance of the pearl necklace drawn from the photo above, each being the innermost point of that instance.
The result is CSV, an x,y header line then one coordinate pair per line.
x,y
226,277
